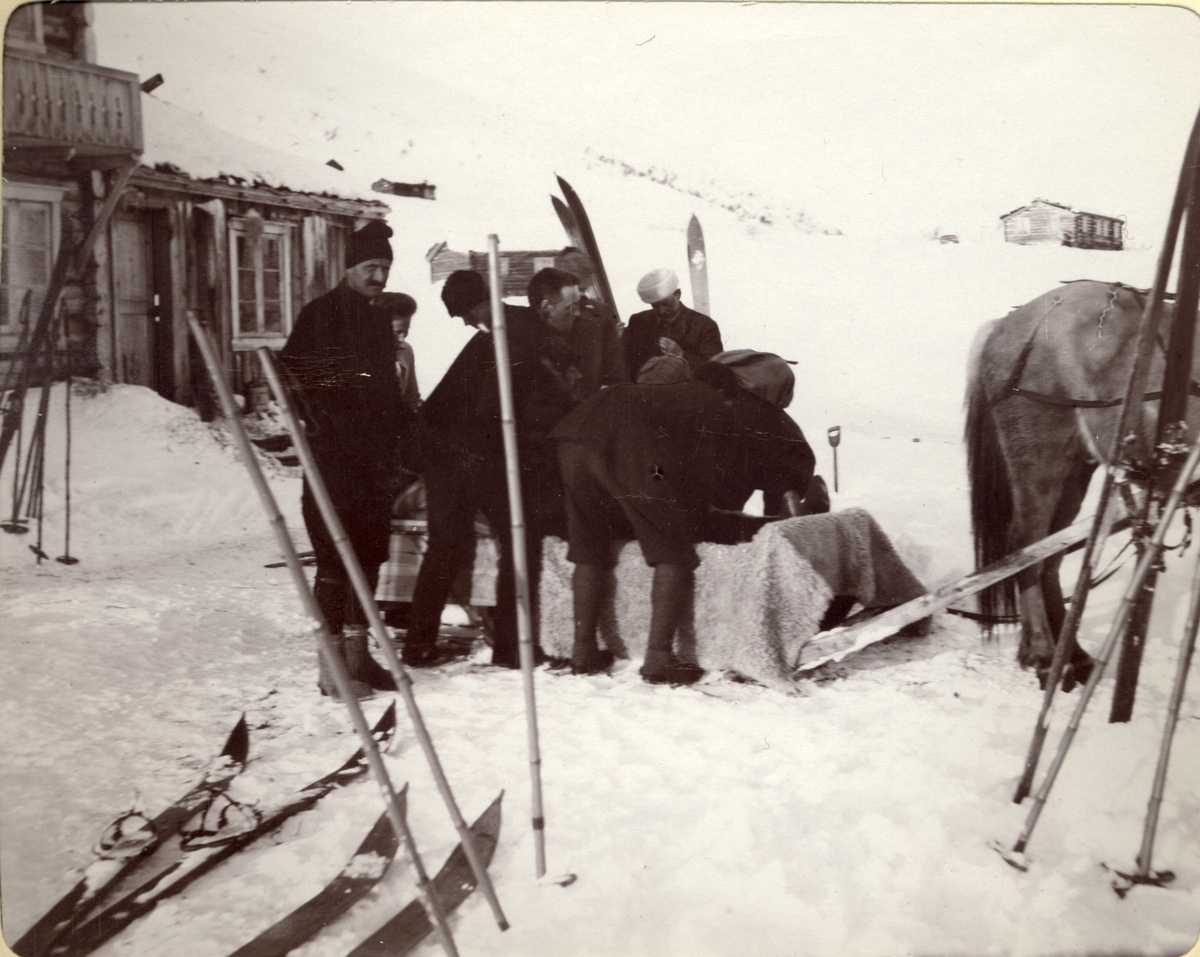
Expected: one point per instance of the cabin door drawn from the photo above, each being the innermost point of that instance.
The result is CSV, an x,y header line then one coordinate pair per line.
x,y
142,308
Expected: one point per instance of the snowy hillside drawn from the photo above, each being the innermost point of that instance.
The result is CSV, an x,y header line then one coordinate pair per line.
x,y
849,821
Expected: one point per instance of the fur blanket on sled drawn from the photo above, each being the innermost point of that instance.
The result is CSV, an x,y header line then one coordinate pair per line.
x,y
757,605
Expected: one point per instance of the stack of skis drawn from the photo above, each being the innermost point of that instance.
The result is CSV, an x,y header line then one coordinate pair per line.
x,y
578,227
142,861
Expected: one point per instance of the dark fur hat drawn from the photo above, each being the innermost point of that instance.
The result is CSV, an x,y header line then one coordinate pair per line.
x,y
370,242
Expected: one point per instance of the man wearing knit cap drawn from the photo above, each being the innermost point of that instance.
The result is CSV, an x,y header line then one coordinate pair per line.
x,y
341,356
667,329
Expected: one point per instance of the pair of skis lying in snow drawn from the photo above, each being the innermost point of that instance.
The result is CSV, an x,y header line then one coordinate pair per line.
x,y
141,862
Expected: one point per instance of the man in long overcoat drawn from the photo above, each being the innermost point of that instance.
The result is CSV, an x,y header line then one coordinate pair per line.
x,y
460,454
341,356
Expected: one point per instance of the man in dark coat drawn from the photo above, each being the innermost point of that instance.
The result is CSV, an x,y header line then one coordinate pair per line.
x,y
597,335
671,465
341,356
461,458
584,335
668,328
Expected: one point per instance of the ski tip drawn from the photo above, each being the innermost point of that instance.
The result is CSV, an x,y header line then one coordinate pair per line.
x,y
237,745
388,721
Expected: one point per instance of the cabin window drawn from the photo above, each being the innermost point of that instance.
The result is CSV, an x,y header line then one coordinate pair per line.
x,y
261,282
59,30
30,240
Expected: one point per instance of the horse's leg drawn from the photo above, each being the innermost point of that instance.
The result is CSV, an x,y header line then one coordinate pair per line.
x,y
1040,447
1078,664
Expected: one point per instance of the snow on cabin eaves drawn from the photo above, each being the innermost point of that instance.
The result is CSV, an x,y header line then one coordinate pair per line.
x,y
179,141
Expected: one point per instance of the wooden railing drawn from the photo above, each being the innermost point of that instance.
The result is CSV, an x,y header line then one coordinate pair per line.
x,y
55,103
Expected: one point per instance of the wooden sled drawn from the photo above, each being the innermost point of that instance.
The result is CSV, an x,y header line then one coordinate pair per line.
x,y
835,644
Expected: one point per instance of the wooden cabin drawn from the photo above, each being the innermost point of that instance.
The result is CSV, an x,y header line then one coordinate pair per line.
x,y
517,267
70,127
240,234
205,222
1045,222
411,190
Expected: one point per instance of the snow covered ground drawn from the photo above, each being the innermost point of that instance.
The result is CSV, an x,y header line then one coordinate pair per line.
x,y
850,820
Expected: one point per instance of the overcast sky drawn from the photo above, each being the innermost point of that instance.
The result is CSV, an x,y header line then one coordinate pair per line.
x,y
861,113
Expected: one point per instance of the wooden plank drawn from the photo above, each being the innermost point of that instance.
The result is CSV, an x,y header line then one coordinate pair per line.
x,y
835,644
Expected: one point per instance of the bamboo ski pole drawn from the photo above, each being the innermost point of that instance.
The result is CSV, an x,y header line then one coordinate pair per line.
x,y
1097,536
1144,875
366,598
1136,387
337,667
520,563
1140,575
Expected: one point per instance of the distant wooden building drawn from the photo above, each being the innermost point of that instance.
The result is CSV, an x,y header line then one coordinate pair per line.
x,y
1045,222
517,267
413,190
206,222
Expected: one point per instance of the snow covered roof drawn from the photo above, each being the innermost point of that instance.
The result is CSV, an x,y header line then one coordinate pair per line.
x,y
177,140
1037,202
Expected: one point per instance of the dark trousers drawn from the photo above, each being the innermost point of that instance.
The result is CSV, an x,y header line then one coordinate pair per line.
x,y
453,496
365,514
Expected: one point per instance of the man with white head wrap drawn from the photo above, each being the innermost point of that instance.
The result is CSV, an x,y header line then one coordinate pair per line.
x,y
668,328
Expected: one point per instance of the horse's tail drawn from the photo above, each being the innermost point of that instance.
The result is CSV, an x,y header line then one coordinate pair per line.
x,y
991,493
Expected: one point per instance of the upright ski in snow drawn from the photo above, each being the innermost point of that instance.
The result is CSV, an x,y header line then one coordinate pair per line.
x,y
452,885
571,228
361,873
587,239
212,835
569,224
698,266
129,841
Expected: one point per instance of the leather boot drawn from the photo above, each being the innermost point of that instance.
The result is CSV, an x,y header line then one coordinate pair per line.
x,y
587,657
670,593
359,662
325,673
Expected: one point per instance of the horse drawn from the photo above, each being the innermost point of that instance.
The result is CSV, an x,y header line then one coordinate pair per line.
x,y
1045,388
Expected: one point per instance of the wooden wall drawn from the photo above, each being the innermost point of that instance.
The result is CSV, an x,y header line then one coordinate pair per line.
x,y
196,254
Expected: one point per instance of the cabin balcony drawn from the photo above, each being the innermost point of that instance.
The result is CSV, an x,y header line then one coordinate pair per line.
x,y
70,111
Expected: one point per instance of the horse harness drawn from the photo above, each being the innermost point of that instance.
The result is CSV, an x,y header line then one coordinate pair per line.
x,y
1012,388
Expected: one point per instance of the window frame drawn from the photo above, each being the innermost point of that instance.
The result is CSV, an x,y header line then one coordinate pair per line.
x,y
38,43
53,197
248,340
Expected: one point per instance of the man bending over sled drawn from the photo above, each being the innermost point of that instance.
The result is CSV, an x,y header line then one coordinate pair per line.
x,y
673,465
